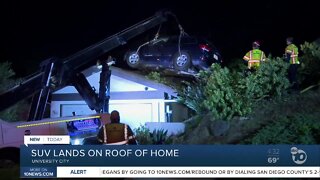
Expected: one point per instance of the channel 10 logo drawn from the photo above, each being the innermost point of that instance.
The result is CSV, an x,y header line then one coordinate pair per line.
x,y
298,155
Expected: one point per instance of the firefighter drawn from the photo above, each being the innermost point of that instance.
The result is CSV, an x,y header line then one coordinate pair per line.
x,y
254,57
291,56
116,133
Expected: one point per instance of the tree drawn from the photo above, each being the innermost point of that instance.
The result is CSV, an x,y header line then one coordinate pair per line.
x,y
6,76
7,81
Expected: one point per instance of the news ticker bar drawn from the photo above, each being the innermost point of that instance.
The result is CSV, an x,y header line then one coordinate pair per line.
x,y
174,172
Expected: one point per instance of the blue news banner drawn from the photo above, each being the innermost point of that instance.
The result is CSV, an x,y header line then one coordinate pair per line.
x,y
43,160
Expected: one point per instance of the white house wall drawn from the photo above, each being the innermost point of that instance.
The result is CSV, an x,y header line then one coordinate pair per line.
x,y
117,84
138,99
132,112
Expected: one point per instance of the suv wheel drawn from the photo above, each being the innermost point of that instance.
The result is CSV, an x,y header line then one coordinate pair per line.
x,y
182,61
133,59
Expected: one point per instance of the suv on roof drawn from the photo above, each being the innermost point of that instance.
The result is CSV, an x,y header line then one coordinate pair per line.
x,y
174,52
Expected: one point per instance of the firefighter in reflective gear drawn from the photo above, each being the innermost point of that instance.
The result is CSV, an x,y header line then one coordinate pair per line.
x,y
291,56
255,56
116,133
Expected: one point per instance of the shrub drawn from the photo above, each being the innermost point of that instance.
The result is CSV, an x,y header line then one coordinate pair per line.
x,y
309,73
159,136
270,80
228,94
300,129
224,94
192,95
155,76
143,135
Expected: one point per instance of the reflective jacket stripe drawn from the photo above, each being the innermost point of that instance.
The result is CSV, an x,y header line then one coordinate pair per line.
x,y
105,137
251,61
122,142
293,57
262,56
104,134
246,58
125,132
293,51
118,143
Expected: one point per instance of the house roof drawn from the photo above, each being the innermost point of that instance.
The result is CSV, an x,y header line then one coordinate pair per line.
x,y
122,80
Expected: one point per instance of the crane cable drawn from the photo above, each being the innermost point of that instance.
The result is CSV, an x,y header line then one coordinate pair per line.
x,y
157,34
182,33
148,42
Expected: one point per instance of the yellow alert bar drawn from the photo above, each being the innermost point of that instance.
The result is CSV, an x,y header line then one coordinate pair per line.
x,y
55,122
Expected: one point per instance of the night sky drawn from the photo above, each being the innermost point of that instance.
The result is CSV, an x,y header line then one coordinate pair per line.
x,y
35,30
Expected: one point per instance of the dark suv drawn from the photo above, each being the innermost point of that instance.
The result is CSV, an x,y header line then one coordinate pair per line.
x,y
181,53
